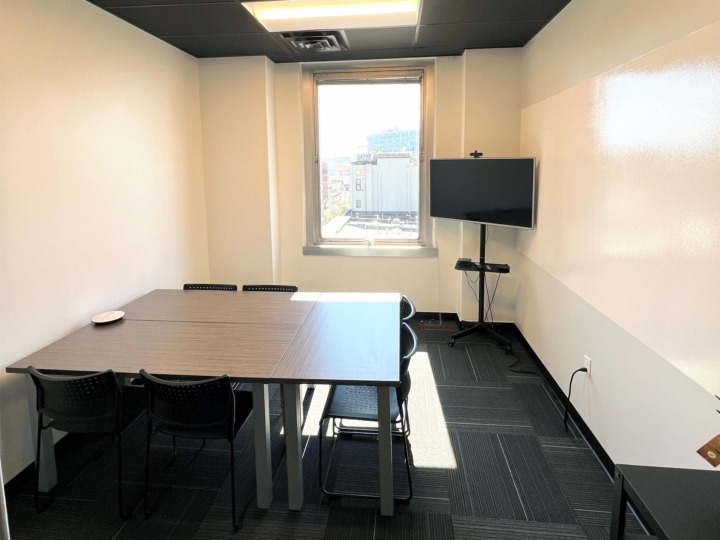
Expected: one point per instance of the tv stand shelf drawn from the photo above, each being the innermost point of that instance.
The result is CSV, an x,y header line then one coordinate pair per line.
x,y
470,266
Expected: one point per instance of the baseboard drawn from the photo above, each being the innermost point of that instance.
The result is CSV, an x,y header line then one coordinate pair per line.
x,y
425,316
572,412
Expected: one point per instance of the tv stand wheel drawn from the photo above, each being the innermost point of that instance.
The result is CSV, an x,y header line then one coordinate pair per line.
x,y
451,342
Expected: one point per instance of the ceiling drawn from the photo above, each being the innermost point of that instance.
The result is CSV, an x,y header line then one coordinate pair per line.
x,y
216,28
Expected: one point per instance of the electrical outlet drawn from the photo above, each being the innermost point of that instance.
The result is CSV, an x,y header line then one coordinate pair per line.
x,y
587,364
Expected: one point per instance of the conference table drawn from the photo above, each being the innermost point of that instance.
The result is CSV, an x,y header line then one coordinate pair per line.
x,y
256,337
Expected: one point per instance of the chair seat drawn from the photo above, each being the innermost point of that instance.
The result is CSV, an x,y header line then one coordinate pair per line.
x,y
355,402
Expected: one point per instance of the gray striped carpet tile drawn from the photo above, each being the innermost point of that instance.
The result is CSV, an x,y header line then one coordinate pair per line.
x,y
350,523
474,528
354,467
545,414
450,363
481,484
585,484
541,496
274,523
62,519
491,404
414,526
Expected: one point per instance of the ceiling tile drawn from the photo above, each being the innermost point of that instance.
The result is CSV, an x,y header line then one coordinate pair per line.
x,y
191,19
478,36
381,38
229,45
466,11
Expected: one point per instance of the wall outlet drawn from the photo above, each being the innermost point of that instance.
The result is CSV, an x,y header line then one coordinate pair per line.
x,y
587,364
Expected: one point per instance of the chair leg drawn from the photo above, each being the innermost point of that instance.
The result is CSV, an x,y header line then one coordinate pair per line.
x,y
123,515
37,462
236,525
407,454
320,447
147,466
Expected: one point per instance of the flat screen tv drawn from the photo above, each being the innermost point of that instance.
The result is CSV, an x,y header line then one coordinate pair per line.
x,y
494,191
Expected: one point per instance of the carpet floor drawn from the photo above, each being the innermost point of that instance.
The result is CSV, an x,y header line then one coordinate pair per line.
x,y
490,459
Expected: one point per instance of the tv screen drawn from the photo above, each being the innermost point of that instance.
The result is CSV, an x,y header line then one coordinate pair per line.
x,y
495,191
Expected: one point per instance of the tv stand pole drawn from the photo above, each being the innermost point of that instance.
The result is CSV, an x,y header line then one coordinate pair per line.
x,y
482,327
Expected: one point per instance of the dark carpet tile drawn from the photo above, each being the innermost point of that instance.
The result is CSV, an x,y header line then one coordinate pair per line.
x,y
353,466
414,526
178,514
473,528
345,523
583,481
544,413
497,405
61,519
481,485
450,363
275,523
537,487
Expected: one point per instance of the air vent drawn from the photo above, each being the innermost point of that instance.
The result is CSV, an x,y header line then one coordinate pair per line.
x,y
317,41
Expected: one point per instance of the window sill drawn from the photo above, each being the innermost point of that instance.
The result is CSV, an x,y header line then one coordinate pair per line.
x,y
371,251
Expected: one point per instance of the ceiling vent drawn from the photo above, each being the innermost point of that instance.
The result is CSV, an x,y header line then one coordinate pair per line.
x,y
317,41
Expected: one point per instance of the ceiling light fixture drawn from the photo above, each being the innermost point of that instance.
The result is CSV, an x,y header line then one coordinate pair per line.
x,y
296,15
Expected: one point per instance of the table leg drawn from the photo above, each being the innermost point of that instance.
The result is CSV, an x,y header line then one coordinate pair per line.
x,y
385,444
263,460
292,409
619,509
48,469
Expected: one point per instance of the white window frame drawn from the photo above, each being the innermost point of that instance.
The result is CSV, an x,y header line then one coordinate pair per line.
x,y
314,243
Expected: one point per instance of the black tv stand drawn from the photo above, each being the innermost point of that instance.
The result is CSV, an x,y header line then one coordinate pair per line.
x,y
481,327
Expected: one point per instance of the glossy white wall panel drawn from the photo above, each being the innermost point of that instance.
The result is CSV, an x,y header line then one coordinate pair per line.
x,y
590,37
629,194
101,181
640,407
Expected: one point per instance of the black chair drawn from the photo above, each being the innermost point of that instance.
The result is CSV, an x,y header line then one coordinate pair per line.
x,y
209,287
205,409
83,404
271,288
354,402
407,309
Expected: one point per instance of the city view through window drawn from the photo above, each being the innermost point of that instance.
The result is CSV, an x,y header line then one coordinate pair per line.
x,y
369,168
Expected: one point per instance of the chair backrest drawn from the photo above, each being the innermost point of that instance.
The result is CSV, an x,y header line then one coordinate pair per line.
x,y
407,309
209,287
271,288
207,403
408,347
85,403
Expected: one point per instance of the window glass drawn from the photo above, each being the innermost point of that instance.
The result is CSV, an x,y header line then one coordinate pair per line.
x,y
368,161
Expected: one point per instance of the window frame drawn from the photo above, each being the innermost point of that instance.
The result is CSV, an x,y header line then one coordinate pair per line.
x,y
423,246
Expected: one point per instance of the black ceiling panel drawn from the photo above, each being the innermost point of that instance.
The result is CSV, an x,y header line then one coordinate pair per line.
x,y
191,19
219,28
470,11
479,35
381,38
229,45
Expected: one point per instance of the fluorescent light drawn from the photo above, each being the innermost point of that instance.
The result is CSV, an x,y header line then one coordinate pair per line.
x,y
297,15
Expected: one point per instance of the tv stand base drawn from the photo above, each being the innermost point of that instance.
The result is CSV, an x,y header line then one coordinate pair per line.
x,y
480,328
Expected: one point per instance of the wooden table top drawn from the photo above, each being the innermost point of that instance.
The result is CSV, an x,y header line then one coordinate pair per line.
x,y
346,338
222,306
256,336
179,349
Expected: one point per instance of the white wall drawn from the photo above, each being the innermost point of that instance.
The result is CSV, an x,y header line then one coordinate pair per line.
x,y
238,147
236,108
101,185
624,262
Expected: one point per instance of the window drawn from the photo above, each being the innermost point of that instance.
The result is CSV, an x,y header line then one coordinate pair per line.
x,y
366,177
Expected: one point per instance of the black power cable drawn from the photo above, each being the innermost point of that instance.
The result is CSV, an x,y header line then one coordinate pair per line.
x,y
567,403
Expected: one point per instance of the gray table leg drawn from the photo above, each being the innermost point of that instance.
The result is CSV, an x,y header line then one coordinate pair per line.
x,y
292,409
619,508
385,444
48,469
263,460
